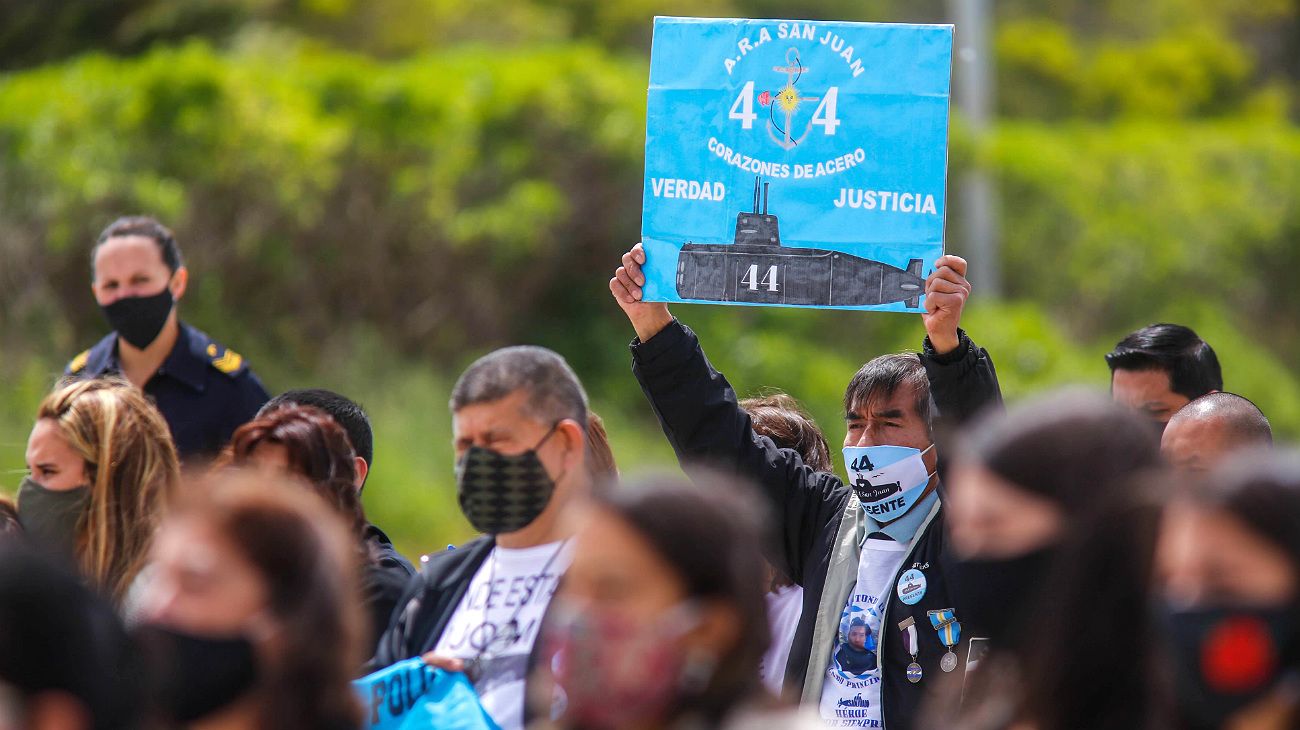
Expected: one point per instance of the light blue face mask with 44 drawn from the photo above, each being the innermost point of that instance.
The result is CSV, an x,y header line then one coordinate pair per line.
x,y
889,480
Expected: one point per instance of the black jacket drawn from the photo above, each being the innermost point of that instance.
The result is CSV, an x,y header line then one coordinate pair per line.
x,y
384,580
203,389
429,602
819,519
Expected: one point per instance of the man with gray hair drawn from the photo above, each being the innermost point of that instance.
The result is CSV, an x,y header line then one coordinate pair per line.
x,y
519,418
870,550
1202,433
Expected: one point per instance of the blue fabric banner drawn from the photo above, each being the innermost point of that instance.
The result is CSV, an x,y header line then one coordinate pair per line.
x,y
410,694
795,163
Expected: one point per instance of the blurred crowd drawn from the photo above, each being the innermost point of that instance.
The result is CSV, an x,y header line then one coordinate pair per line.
x,y
188,551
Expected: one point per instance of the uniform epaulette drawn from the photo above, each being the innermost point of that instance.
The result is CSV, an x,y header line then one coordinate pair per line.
x,y
78,363
224,359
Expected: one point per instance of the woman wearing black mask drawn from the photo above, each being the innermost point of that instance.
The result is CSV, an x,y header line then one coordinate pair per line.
x,y
101,465
1054,551
1229,560
253,619
203,390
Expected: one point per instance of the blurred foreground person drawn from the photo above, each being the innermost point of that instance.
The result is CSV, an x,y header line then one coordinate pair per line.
x,y
1161,368
660,621
1230,560
308,443
519,418
252,618
204,390
1055,551
1211,428
783,419
102,468
871,549
65,663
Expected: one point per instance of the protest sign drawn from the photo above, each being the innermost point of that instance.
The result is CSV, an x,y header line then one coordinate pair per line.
x,y
795,163
410,694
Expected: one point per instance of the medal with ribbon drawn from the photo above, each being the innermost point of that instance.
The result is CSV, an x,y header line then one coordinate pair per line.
x,y
908,627
945,623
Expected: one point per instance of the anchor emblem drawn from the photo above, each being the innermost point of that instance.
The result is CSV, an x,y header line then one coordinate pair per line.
x,y
789,101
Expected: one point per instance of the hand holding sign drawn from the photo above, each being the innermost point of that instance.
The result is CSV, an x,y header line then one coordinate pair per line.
x,y
946,291
647,318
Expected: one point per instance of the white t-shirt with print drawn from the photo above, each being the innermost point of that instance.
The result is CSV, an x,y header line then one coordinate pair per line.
x,y
784,607
513,587
851,692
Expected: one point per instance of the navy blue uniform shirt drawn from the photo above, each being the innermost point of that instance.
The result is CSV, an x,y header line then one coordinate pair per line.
x,y
204,390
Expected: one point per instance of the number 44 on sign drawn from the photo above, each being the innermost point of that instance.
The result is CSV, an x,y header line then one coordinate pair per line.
x,y
769,280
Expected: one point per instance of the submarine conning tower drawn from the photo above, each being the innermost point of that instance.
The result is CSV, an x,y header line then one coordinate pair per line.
x,y
758,228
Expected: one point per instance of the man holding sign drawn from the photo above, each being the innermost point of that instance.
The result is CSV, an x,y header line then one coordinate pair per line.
x,y
869,551
854,136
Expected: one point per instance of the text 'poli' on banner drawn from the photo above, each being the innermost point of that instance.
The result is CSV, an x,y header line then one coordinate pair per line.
x,y
795,163
410,694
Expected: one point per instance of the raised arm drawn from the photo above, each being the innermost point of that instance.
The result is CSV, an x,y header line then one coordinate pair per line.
x,y
962,378
698,412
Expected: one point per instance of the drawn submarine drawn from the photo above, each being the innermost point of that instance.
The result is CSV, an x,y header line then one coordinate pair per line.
x,y
868,492
757,268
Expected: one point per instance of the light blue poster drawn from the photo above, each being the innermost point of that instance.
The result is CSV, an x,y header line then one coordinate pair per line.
x,y
411,695
795,163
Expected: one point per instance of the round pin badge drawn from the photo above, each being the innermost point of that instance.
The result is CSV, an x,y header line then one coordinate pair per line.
x,y
911,587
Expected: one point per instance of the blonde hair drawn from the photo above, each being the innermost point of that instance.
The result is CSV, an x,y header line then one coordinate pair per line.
x,y
131,466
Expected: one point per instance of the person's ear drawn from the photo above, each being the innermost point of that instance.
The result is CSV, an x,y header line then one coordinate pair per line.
x,y
363,470
575,443
180,280
717,631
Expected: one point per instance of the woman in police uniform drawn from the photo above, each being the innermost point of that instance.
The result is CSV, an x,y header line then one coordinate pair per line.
x,y
204,390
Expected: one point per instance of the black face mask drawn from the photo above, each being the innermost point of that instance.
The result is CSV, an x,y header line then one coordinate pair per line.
x,y
50,517
503,492
138,320
1227,658
189,677
998,596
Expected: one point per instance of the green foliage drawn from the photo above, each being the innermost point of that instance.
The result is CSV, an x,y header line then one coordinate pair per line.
x,y
370,194
1189,72
453,174
1038,69
1138,216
